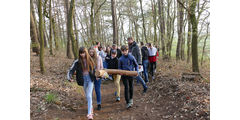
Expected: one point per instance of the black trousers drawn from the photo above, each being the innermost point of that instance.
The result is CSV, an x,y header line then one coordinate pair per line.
x,y
152,68
128,87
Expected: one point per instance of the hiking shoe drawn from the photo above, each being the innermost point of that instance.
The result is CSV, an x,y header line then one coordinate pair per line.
x,y
90,116
118,99
129,105
99,107
131,102
145,90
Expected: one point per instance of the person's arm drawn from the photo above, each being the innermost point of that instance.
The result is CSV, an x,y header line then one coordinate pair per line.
x,y
135,64
72,70
119,64
142,51
139,58
101,63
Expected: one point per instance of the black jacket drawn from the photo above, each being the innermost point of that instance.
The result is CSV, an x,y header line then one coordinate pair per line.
x,y
134,49
145,53
112,63
79,73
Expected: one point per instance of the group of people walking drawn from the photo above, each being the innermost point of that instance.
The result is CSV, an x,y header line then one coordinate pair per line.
x,y
129,57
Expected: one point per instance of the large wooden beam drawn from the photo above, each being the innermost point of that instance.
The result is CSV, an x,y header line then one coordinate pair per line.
x,y
100,73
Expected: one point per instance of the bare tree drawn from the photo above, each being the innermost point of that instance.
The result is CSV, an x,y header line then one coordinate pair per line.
x,y
195,67
41,37
162,24
143,24
34,36
180,30
204,45
114,22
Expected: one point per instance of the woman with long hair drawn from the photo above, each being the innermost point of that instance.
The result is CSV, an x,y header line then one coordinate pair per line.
x,y
85,75
97,82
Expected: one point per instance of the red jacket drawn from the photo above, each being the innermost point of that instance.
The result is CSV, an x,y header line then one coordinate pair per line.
x,y
153,58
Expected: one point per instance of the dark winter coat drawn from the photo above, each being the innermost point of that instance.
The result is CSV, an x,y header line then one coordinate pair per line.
x,y
79,73
127,63
112,63
145,53
135,51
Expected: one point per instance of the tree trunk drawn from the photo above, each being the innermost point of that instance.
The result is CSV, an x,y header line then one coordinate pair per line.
x,y
76,30
70,29
55,31
69,52
189,39
144,29
34,19
100,73
204,45
162,24
34,36
41,36
114,22
183,42
92,27
56,39
195,67
50,27
154,11
136,30
180,30
45,35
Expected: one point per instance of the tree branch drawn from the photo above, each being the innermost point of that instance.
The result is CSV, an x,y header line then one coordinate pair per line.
x,y
182,5
99,7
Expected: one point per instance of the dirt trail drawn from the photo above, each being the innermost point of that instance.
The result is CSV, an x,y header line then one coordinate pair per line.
x,y
167,97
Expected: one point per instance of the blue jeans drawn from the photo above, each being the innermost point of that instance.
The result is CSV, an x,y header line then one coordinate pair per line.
x,y
139,78
104,64
97,86
88,88
145,70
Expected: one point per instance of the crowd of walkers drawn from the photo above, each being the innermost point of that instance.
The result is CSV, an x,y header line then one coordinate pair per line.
x,y
129,57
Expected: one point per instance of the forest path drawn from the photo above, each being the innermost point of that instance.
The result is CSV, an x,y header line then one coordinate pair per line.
x,y
167,97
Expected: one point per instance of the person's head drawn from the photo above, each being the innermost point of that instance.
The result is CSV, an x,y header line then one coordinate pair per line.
x,y
104,48
114,53
98,43
83,55
108,49
92,52
142,44
124,50
100,48
149,45
130,40
114,46
82,52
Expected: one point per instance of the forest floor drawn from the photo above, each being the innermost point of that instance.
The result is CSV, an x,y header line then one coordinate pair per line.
x,y
168,96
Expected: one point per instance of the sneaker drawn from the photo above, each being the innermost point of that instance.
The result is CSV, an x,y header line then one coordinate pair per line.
x,y
90,116
131,102
145,90
153,77
129,105
99,107
118,99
